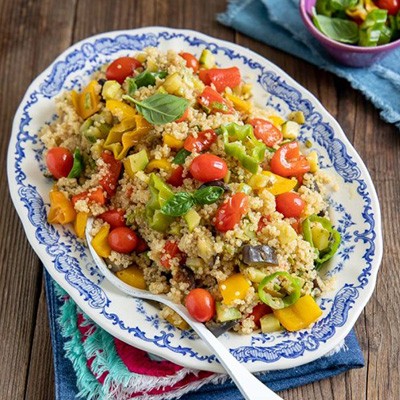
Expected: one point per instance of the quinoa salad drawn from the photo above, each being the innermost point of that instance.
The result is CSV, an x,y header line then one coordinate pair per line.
x,y
195,190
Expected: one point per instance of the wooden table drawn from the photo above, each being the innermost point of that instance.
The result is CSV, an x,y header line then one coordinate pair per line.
x,y
33,33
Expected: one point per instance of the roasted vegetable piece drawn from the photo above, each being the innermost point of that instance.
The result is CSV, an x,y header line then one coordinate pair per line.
x,y
260,255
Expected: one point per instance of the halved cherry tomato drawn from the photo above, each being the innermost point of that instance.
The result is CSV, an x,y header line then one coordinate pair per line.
x,y
200,304
231,212
122,240
287,161
171,251
121,68
110,180
176,178
202,142
115,218
59,161
208,167
259,311
184,116
296,225
213,102
95,196
393,6
290,204
221,77
191,61
266,131
141,245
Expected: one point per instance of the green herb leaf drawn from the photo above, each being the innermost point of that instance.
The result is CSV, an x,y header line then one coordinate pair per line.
x,y
145,78
208,195
160,108
181,156
337,29
77,165
342,5
178,205
132,87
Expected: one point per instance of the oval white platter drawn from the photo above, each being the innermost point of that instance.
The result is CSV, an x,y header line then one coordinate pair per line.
x,y
354,207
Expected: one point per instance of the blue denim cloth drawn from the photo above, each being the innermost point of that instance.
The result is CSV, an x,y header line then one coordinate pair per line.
x,y
65,378
278,23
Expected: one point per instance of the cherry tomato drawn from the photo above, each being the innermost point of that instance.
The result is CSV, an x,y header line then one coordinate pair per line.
x,y
184,116
221,77
208,167
122,240
393,6
171,251
259,311
202,142
213,102
141,245
176,178
200,304
121,68
290,204
191,61
94,196
115,218
287,161
59,161
231,212
266,131
110,180
263,222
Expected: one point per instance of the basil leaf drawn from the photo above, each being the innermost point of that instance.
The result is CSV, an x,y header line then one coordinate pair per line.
x,y
208,195
77,165
160,108
132,87
337,29
178,205
342,5
181,156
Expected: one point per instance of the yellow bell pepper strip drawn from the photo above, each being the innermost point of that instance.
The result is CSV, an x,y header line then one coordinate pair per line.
x,y
300,314
234,288
270,290
159,164
125,135
132,276
86,103
80,224
276,120
160,194
172,142
120,109
240,143
100,242
325,240
275,184
238,103
61,209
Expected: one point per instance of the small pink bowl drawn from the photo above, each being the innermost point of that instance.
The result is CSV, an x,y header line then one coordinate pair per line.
x,y
353,56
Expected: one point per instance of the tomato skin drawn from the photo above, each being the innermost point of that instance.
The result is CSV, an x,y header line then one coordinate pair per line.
x,y
290,204
231,212
110,180
393,6
94,196
200,304
184,116
204,77
122,239
176,178
221,77
141,245
59,161
208,167
213,102
259,311
171,251
121,68
115,218
263,222
202,142
191,61
287,161
266,131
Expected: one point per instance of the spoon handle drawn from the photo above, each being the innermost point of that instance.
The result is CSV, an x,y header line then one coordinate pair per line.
x,y
250,387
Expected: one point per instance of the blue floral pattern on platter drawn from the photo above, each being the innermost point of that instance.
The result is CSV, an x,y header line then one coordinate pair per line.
x,y
70,262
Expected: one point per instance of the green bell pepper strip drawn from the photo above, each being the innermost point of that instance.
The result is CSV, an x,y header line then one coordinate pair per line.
x,y
278,303
334,238
373,26
77,165
240,143
160,194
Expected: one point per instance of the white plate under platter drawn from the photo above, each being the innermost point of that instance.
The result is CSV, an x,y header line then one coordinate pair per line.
x,y
354,206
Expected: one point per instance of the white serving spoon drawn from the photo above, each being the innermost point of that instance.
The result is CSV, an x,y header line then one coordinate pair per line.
x,y
250,387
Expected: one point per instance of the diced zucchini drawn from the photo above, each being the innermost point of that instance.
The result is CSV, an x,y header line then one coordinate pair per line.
x,y
207,59
312,158
194,263
225,313
297,116
269,323
246,189
290,130
205,248
320,237
174,84
254,274
136,162
112,90
192,219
